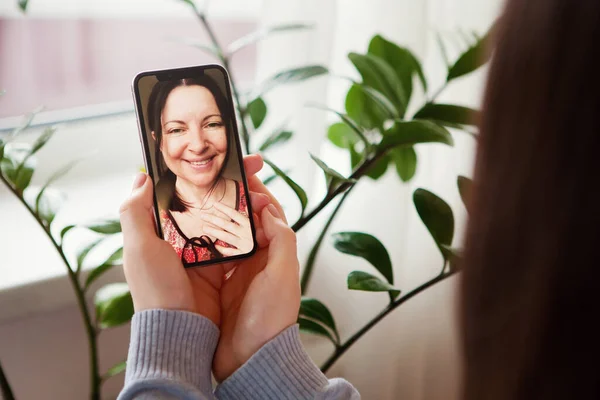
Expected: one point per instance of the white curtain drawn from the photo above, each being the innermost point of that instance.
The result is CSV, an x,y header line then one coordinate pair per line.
x,y
413,353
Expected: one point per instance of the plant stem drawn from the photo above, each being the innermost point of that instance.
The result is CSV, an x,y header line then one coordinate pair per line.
x,y
79,295
7,393
310,262
225,60
391,307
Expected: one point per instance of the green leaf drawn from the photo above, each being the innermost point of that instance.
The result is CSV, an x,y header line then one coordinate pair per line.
x,y
378,169
314,309
476,56
448,114
378,74
341,135
269,179
348,121
355,157
403,61
114,259
200,45
42,139
114,305
368,247
306,325
364,110
83,252
405,159
359,280
24,175
260,34
55,176
115,370
452,255
464,188
279,136
48,204
437,216
23,5
258,111
292,75
295,187
331,175
64,231
409,133
107,227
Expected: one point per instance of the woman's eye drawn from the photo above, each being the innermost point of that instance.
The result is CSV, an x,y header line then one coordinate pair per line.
x,y
214,125
176,130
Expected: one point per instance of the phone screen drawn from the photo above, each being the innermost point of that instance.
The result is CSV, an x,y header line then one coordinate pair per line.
x,y
193,155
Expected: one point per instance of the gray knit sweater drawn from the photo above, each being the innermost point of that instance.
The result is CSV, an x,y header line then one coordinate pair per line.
x,y
170,357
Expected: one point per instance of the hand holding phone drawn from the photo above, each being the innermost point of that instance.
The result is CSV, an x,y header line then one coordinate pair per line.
x,y
192,153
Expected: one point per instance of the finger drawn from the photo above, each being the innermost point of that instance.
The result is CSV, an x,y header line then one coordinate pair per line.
x,y
259,201
223,224
227,251
233,214
252,164
282,241
136,211
222,235
256,185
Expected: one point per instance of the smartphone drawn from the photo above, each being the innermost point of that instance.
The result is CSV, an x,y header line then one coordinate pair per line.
x,y
192,152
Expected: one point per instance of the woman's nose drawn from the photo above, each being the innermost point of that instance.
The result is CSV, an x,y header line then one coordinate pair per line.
x,y
197,141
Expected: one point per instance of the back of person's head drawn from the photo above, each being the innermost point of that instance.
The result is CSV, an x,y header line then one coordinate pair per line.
x,y
531,280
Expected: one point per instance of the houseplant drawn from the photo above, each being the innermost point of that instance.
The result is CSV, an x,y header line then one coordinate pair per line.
x,y
376,132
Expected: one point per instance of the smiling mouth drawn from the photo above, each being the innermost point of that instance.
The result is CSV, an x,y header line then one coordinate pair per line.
x,y
201,162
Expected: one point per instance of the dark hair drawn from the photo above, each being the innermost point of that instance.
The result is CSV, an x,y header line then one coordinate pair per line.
x,y
166,193
529,289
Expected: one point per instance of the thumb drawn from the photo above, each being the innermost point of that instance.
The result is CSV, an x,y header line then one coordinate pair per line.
x,y
282,240
136,211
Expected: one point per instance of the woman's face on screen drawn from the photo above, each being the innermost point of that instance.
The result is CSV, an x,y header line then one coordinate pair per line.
x,y
194,136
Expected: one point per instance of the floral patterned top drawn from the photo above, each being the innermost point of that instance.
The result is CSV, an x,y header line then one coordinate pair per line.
x,y
201,248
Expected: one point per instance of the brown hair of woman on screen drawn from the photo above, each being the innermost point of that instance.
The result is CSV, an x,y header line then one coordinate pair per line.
x,y
531,280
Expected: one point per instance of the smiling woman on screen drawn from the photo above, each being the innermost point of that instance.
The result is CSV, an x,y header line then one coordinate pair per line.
x,y
203,214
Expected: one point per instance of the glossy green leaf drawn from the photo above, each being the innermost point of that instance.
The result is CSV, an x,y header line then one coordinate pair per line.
x,y
257,109
402,60
295,187
464,188
115,370
379,168
292,75
355,157
410,133
364,110
437,216
278,137
65,230
84,251
378,74
448,114
368,247
453,256
114,305
24,174
314,309
114,259
260,34
342,135
359,280
330,173
476,56
307,325
348,121
107,227
405,159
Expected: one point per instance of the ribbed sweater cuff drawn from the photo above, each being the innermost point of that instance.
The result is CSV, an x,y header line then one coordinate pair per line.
x,y
172,345
281,369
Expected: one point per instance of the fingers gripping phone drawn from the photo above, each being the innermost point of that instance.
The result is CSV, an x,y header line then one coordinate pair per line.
x,y
192,152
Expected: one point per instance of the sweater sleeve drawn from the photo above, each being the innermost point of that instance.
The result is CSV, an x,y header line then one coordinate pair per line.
x,y
282,369
170,356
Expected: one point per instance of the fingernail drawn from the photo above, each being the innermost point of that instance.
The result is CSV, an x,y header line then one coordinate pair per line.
x,y
139,180
273,211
